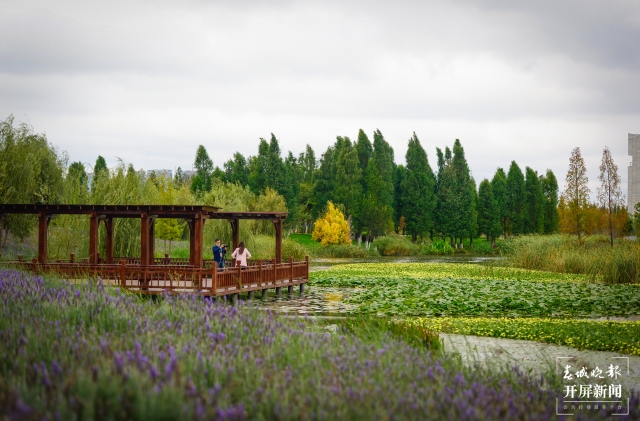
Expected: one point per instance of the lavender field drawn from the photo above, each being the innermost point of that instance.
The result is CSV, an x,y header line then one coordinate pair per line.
x,y
93,353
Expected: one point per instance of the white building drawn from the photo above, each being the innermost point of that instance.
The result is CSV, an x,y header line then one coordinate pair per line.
x,y
634,172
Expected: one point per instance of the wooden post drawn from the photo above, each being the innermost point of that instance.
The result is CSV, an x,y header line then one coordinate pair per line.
x,y
278,291
235,233
144,239
192,241
277,223
108,224
250,297
72,258
43,225
199,229
290,289
260,272
123,273
290,269
34,265
166,259
93,238
152,240
214,281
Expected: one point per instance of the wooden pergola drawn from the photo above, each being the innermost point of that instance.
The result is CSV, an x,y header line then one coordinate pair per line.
x,y
195,216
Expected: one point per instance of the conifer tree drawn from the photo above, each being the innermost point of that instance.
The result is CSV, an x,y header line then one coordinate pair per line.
x,y
549,185
348,186
258,167
534,201
204,168
515,200
609,193
488,213
332,228
236,170
576,192
499,189
418,191
462,221
324,182
308,165
379,188
365,152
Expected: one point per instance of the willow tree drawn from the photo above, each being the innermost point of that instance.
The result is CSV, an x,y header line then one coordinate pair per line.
x,y
576,192
609,193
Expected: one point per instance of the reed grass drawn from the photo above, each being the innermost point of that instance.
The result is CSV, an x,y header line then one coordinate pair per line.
x,y
563,254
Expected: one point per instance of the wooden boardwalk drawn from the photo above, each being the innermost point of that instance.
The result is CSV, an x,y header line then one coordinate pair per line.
x,y
182,278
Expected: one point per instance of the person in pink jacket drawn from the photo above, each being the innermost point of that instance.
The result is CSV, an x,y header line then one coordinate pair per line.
x,y
241,254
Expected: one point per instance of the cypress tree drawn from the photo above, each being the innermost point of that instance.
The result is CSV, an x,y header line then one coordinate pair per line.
x,y
379,186
365,150
290,188
308,165
236,170
499,189
549,185
348,186
534,215
204,167
488,212
324,183
463,220
418,191
258,168
515,200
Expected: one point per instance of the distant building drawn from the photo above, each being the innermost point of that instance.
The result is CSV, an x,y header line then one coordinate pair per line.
x,y
189,173
89,180
166,173
634,172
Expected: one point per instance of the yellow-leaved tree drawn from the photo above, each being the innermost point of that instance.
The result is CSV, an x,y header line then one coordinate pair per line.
x,y
331,228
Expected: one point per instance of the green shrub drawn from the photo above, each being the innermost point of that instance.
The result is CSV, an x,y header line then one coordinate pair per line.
x,y
439,247
395,245
343,250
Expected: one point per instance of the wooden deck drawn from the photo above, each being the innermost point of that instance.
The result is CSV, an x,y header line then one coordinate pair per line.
x,y
181,278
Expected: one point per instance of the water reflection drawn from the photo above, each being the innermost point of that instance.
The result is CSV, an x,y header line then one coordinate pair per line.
x,y
314,301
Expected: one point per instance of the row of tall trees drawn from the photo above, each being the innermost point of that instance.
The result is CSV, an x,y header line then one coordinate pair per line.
x,y
608,214
379,196
360,177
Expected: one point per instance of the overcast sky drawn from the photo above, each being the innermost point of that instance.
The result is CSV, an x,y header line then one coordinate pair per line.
x,y
148,81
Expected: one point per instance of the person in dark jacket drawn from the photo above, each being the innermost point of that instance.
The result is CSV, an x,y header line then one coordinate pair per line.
x,y
219,250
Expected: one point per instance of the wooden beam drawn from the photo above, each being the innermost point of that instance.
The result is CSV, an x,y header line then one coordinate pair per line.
x,y
277,223
144,239
108,224
43,225
93,238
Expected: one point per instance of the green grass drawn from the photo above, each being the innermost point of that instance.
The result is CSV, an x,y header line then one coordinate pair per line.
x,y
464,290
597,335
305,240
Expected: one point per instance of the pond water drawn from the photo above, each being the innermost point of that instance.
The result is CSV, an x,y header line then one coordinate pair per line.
x,y
326,263
322,301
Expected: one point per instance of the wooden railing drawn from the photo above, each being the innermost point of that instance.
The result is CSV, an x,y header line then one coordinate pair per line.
x,y
154,279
